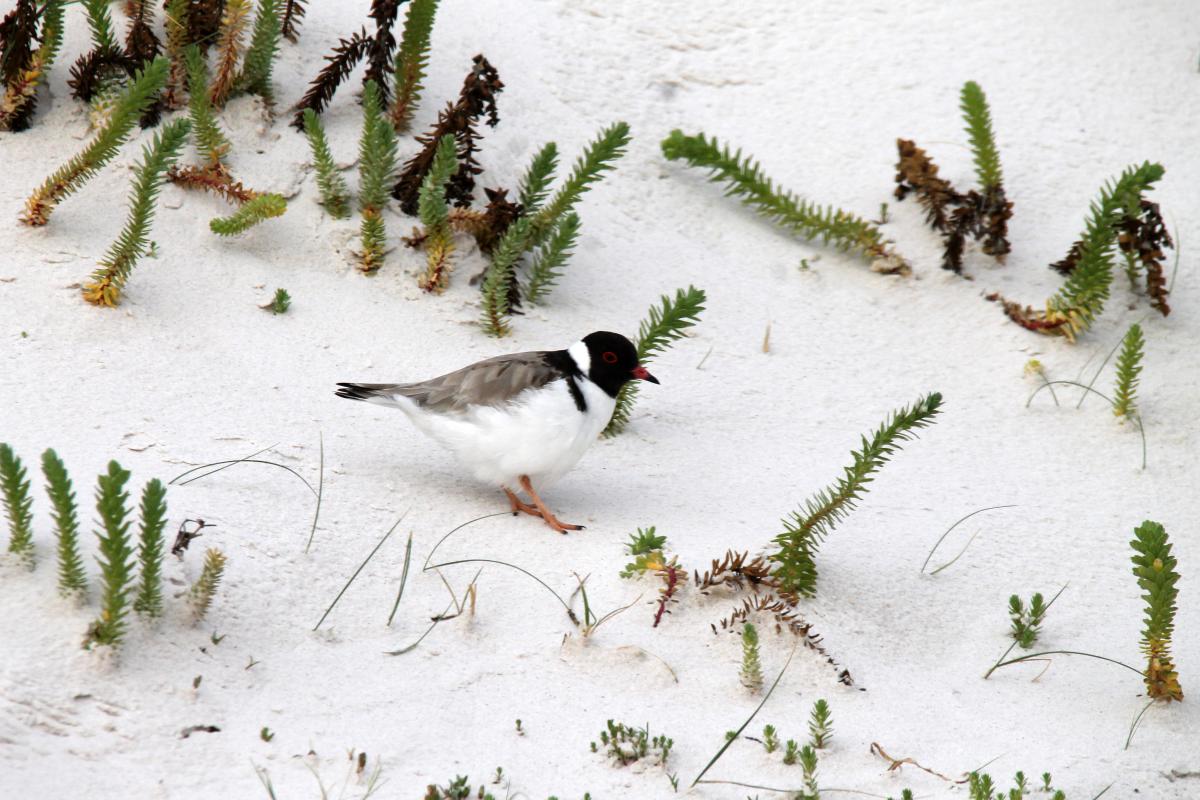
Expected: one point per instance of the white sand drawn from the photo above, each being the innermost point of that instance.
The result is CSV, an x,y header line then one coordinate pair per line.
x,y
189,370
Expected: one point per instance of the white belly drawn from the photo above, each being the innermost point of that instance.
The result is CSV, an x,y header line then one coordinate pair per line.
x,y
540,433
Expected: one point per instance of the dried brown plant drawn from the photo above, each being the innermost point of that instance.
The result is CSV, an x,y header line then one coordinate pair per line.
x,y
377,49
204,21
956,215
213,177
736,573
293,12
1142,237
476,100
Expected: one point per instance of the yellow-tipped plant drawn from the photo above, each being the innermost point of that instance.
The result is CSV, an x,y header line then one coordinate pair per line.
x,y
435,216
109,279
1081,299
745,179
1154,567
128,108
377,162
23,69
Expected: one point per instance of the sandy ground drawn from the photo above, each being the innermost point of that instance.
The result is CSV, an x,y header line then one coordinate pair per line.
x,y
189,370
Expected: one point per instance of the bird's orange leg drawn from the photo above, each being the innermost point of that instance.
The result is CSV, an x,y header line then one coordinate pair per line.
x,y
518,506
547,514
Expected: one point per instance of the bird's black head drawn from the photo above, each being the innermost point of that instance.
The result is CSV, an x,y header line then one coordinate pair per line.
x,y
612,362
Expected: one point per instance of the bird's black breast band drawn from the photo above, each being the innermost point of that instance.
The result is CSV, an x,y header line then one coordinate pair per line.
x,y
561,360
576,394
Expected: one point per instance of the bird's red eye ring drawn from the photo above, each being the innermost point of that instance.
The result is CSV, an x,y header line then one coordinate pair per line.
x,y
609,357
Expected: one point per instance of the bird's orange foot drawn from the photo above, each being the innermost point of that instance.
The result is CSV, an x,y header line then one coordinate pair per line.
x,y
519,507
545,513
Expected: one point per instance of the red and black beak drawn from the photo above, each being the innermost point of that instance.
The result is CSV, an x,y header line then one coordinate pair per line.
x,y
642,374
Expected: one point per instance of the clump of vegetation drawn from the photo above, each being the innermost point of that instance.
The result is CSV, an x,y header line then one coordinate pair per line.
x,y
214,175
376,48
1154,567
412,59
795,565
116,557
1027,622
542,224
627,744
1089,264
646,546
745,179
201,593
18,505
107,282
127,108
981,214
737,572
72,578
476,101
981,787
457,789
120,587
820,725
335,197
791,752
258,64
98,75
545,226
22,67
377,161
751,674
1129,367
666,323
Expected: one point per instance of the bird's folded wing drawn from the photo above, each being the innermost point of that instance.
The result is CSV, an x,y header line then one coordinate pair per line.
x,y
493,382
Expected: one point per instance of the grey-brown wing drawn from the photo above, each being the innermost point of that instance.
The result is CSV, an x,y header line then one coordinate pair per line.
x,y
492,382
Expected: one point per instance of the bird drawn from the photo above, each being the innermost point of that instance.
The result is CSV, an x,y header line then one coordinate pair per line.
x,y
521,420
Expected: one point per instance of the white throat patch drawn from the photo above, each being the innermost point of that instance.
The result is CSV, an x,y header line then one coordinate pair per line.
x,y
579,354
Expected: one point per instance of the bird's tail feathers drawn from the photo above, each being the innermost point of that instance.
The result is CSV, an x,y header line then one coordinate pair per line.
x,y
383,394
